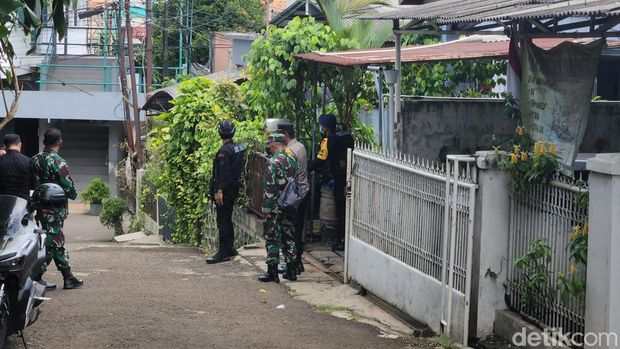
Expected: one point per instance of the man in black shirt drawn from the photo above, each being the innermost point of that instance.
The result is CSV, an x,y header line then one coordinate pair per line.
x,y
333,154
228,167
15,172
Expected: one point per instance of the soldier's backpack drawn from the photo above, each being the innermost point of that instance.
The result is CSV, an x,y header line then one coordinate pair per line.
x,y
290,198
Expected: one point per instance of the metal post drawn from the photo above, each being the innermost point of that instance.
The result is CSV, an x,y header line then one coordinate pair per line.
x,y
166,33
105,46
398,68
149,45
134,89
123,77
444,247
455,191
381,107
349,212
389,127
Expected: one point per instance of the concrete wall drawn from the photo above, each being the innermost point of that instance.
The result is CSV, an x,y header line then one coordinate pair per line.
x,y
404,287
433,127
219,54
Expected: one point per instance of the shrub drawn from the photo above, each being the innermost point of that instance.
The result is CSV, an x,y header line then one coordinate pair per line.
x,y
112,214
96,191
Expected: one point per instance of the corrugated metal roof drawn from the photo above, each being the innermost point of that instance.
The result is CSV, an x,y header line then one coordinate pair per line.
x,y
460,11
467,48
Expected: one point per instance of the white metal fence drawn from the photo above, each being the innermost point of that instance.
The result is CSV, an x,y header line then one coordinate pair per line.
x,y
418,213
546,212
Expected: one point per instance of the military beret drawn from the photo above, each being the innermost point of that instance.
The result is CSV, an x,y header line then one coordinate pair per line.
x,y
275,137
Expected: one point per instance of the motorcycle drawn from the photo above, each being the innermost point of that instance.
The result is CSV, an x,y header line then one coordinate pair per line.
x,y
22,259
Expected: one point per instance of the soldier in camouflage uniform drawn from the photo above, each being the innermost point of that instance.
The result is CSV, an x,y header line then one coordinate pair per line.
x,y
49,167
278,227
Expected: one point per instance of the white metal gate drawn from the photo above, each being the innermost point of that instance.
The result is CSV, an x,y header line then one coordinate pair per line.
x,y
410,235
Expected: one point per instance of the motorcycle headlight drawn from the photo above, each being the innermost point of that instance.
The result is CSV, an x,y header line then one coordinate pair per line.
x,y
12,263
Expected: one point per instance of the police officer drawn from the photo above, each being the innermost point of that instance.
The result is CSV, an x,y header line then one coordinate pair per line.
x,y
49,167
333,154
15,169
278,227
227,171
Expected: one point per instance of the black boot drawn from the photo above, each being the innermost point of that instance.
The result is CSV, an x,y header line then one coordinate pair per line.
x,y
219,257
300,267
232,252
272,274
48,285
291,271
71,281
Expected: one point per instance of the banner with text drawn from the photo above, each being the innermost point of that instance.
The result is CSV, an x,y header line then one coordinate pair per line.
x,y
556,91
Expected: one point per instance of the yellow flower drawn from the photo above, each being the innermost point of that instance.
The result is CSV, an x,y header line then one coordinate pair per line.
x,y
586,229
543,147
523,156
520,130
516,148
514,158
573,269
552,149
537,148
496,149
560,274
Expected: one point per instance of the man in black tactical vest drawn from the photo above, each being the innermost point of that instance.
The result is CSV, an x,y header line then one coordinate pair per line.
x,y
228,167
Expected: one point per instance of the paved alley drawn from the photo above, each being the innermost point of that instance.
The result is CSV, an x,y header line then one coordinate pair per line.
x,y
169,298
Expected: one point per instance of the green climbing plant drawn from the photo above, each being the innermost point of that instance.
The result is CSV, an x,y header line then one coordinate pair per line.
x,y
182,146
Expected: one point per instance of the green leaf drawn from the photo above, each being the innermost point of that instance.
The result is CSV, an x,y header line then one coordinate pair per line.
x,y
9,6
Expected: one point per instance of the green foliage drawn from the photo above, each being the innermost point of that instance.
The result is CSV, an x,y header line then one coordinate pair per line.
x,y
444,78
527,167
183,144
535,282
573,284
136,224
208,16
112,214
278,83
96,191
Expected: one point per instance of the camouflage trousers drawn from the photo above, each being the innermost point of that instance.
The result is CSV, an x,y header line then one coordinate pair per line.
x,y
278,234
52,222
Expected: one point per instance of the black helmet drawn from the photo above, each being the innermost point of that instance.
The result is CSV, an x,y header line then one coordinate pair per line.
x,y
226,129
49,195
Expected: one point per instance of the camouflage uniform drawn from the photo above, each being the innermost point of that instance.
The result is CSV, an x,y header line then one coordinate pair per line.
x,y
49,167
278,227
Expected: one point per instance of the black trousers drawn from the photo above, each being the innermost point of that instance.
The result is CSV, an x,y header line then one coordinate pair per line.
x,y
300,223
224,220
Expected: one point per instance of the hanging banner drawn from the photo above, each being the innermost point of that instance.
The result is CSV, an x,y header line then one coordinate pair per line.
x,y
556,91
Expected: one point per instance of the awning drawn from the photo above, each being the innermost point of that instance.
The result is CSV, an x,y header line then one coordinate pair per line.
x,y
468,11
468,48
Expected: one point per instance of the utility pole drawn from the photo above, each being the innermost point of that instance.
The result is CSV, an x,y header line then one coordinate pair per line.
x,y
149,45
123,76
134,88
190,35
267,16
166,33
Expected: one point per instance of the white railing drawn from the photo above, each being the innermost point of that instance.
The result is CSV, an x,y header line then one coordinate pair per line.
x,y
419,213
546,212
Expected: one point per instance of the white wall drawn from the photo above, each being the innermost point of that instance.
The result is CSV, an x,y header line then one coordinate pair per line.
x,y
406,288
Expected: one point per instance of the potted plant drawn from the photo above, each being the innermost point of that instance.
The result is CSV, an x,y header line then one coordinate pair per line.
x,y
94,194
112,215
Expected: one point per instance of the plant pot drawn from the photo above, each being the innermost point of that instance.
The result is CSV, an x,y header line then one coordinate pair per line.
x,y
95,209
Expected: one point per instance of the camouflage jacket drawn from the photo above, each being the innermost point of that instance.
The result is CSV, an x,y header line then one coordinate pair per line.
x,y
280,168
49,167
